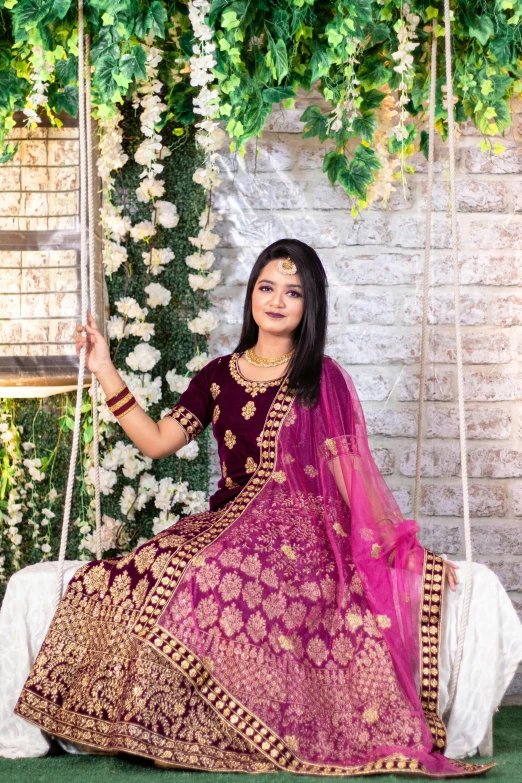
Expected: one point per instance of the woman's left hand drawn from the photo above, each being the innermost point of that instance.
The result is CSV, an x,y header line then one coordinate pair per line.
x,y
451,575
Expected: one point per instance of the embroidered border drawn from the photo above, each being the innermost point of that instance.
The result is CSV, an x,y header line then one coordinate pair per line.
x,y
430,637
186,420
342,444
252,387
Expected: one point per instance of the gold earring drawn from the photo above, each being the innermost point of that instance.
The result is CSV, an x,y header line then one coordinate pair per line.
x,y
286,266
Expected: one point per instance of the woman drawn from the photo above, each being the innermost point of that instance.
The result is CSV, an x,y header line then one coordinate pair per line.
x,y
296,624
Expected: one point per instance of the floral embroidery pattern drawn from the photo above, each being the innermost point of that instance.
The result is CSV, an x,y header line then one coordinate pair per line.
x,y
250,465
248,410
214,390
215,415
230,439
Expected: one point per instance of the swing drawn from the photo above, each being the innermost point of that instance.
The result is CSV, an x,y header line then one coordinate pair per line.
x,y
88,292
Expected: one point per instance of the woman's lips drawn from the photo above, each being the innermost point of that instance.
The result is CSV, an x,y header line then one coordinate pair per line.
x,y
275,315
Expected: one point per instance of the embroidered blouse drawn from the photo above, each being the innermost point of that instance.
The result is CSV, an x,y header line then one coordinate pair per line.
x,y
237,408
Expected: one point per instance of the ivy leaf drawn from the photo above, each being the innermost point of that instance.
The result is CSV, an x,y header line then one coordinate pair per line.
x,y
279,57
424,142
67,100
104,76
133,64
315,123
67,70
104,45
373,73
277,94
333,164
371,99
356,178
319,63
155,18
482,28
365,125
380,33
367,156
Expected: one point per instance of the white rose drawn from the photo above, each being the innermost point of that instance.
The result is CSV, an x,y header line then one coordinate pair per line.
x,y
116,327
140,329
157,295
190,451
198,362
166,214
143,357
204,322
205,240
205,283
177,383
200,261
129,307
143,230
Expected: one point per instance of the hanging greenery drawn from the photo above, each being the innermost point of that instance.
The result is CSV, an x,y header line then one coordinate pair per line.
x,y
369,59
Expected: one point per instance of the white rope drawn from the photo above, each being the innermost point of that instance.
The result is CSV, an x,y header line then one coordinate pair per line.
x,y
460,372
426,279
84,300
92,297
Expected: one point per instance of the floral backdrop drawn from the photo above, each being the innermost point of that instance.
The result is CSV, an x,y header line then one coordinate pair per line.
x,y
171,80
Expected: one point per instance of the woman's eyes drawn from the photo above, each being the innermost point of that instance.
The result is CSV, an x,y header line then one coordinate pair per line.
x,y
295,294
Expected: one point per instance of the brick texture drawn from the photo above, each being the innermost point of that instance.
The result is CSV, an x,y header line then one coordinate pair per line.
x,y
374,266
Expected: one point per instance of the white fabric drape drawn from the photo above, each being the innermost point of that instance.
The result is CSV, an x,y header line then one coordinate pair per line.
x,y
492,652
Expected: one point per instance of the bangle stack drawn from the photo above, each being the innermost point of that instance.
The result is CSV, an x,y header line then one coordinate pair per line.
x,y
121,402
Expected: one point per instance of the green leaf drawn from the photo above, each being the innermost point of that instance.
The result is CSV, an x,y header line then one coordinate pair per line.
x,y
104,76
133,64
424,143
431,12
279,57
333,164
315,123
365,125
368,157
67,100
356,178
319,63
87,434
229,20
277,94
373,73
155,19
371,99
482,28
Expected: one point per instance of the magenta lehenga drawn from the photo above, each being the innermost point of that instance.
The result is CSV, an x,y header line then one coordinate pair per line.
x,y
294,626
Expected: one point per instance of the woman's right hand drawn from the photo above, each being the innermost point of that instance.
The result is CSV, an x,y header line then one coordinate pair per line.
x,y
98,354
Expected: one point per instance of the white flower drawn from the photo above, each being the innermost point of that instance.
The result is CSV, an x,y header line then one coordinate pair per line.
x,y
177,383
157,295
157,258
166,214
128,496
28,445
204,322
207,177
52,495
143,357
148,151
114,255
143,230
7,436
201,261
198,362
164,521
109,535
129,307
116,327
48,513
209,218
195,503
113,223
205,240
164,412
108,479
147,489
205,283
190,451
46,548
146,390
149,188
140,329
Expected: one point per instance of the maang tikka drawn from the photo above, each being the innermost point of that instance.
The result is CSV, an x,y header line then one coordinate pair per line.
x,y
286,266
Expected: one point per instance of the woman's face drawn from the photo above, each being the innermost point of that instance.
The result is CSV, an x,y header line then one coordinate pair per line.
x,y
277,301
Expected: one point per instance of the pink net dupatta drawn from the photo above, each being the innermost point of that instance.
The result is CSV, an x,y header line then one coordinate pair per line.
x,y
310,619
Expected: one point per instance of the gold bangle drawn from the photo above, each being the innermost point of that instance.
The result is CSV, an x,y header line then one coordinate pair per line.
x,y
117,405
115,394
127,411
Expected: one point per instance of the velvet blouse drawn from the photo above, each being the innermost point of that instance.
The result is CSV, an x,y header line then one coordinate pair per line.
x,y
237,408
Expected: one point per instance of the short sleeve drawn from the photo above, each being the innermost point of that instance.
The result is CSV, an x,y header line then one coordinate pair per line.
x,y
193,410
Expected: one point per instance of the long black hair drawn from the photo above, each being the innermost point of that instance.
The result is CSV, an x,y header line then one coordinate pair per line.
x,y
304,372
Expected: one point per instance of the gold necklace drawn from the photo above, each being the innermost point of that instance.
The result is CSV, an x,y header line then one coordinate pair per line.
x,y
253,358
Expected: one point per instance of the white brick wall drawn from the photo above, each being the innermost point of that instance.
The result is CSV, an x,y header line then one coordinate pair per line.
x,y
374,266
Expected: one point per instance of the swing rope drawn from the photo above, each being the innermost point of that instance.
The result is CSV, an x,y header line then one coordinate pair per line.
x,y
86,255
458,337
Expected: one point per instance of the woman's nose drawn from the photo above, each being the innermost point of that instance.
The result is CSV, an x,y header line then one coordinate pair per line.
x,y
277,299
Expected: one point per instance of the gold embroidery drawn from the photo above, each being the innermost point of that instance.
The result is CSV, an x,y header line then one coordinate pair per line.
x,y
370,715
383,621
288,459
250,465
292,742
230,483
186,419
339,530
145,558
223,469
259,439
353,621
96,579
291,418
376,550
215,415
331,445
311,471
252,387
279,476
289,552
248,410
367,534
230,439
342,444
285,642
214,390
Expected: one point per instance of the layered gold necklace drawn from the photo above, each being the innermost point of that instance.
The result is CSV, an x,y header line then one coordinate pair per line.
x,y
256,360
